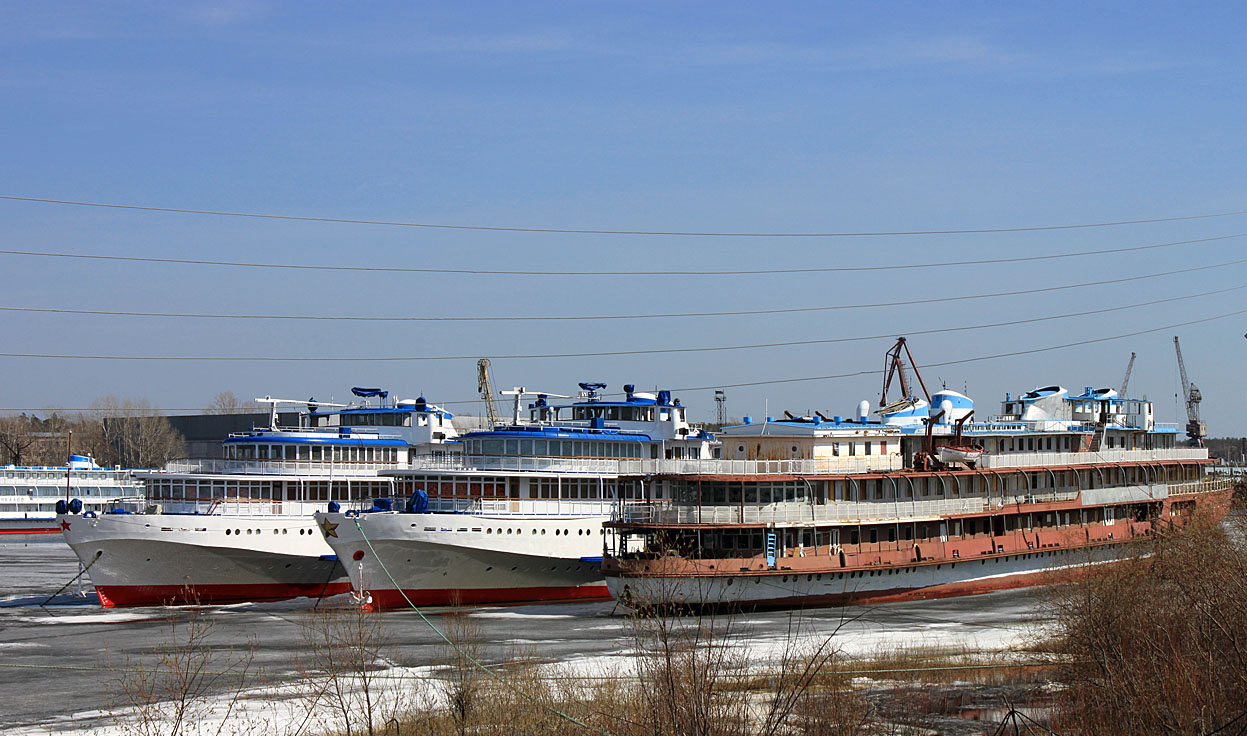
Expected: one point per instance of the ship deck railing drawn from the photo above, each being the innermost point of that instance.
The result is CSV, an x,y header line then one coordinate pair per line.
x,y
326,468
643,466
1057,459
668,512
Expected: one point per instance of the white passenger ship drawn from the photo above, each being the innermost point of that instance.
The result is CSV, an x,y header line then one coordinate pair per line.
x,y
29,496
519,517
241,528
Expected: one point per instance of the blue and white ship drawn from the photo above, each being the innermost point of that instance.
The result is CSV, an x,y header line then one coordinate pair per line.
x,y
29,495
517,518
240,528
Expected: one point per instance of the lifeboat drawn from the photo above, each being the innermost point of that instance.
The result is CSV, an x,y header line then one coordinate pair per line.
x,y
960,454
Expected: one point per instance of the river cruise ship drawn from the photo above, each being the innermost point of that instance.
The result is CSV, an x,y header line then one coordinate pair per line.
x,y
240,528
29,495
831,511
519,516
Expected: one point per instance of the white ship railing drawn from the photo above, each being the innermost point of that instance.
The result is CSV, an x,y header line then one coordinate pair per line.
x,y
639,466
1039,459
1206,485
318,468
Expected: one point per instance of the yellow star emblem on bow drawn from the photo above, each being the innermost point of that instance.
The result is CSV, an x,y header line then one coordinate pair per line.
x,y
329,528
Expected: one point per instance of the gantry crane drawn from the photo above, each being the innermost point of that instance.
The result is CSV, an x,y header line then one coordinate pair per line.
x,y
486,387
1196,430
1125,382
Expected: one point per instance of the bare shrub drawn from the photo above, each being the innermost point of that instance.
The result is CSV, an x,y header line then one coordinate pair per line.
x,y
190,686
343,671
1157,643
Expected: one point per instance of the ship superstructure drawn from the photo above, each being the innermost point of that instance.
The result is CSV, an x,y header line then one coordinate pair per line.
x,y
518,517
240,528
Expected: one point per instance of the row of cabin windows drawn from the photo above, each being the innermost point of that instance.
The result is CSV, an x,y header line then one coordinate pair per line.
x,y
312,453
1067,443
179,489
486,487
838,449
561,448
716,493
59,491
617,413
378,419
930,486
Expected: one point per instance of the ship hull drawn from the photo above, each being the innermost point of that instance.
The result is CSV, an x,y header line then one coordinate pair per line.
x,y
775,589
18,527
145,560
398,560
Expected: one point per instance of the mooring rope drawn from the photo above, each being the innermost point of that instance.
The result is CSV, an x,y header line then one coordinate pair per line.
x,y
496,675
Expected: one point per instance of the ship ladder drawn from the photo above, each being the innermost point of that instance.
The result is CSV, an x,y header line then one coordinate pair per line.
x,y
770,549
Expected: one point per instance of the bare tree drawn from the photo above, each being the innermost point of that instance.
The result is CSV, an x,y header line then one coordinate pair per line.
x,y
134,435
227,402
16,437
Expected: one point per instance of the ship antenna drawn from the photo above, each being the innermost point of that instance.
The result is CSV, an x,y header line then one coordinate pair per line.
x,y
69,460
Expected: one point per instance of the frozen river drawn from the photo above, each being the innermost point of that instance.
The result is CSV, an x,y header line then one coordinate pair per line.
x,y
67,659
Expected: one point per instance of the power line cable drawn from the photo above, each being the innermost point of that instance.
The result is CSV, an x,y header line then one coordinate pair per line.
x,y
963,361
604,353
833,376
666,315
598,231
517,272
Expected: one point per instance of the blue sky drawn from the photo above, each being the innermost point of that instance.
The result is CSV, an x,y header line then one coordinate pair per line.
x,y
656,116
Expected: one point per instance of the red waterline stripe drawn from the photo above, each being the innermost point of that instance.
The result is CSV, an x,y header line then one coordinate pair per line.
x,y
124,596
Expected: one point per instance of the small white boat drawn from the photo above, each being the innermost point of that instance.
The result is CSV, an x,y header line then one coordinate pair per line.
x,y
960,454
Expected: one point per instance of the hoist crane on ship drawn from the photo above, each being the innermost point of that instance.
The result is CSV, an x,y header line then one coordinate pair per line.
x,y
486,387
1196,430
1125,382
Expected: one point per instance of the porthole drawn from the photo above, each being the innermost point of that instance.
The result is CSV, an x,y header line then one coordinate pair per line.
x,y
730,581
543,531
227,532
489,531
534,531
488,569
514,569
283,531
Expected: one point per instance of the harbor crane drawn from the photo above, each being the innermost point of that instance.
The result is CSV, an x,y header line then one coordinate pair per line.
x,y
1196,430
486,387
1125,382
